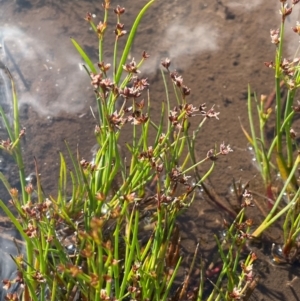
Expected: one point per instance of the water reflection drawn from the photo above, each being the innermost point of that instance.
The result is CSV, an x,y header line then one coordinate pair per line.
x,y
48,81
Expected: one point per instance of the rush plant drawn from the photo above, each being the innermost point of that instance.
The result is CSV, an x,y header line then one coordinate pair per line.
x,y
281,153
112,234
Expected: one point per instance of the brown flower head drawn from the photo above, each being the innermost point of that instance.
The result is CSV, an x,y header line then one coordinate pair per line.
x,y
296,29
248,199
145,55
162,138
211,155
88,17
140,84
94,280
249,222
7,144
149,156
106,84
131,67
159,168
104,67
106,4
202,108
253,256
269,64
96,79
119,10
39,277
140,105
104,295
288,66
275,39
22,132
130,92
74,270
101,29
244,235
116,120
166,63
173,116
14,192
236,294
285,11
293,134
177,79
189,109
225,150
29,188
186,90
175,174
291,83
138,118
285,63
119,31
211,113
31,231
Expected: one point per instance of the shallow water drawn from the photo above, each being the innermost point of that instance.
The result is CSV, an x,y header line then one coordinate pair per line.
x,y
218,46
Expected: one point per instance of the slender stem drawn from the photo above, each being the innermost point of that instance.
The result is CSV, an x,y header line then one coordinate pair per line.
x,y
288,110
130,40
101,39
270,217
278,89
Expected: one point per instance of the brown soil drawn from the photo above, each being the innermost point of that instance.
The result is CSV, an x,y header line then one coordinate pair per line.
x,y
218,46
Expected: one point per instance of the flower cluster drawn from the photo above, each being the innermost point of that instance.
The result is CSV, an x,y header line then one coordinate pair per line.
x,y
176,78
131,67
248,199
6,144
137,117
178,177
238,293
37,210
224,150
117,120
149,156
99,81
285,10
289,69
119,10
101,29
296,29
275,39
86,165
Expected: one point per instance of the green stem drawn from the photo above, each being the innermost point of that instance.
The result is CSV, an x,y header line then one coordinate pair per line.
x,y
278,89
130,40
101,39
288,111
270,217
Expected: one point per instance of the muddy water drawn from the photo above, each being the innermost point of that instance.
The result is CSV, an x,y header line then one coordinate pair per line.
x,y
218,46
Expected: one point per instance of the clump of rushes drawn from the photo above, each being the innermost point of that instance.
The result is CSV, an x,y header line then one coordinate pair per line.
x,y
114,235
281,154
236,278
